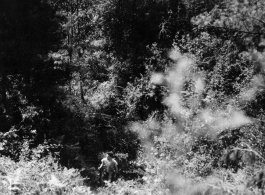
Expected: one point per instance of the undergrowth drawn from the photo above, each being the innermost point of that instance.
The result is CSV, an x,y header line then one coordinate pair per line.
x,y
162,176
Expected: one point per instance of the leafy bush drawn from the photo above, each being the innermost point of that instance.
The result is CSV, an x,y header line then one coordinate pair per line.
x,y
43,176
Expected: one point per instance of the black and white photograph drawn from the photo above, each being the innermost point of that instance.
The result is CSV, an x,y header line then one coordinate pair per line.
x,y
132,97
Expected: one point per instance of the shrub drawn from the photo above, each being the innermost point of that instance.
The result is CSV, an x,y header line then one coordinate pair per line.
x,y
40,176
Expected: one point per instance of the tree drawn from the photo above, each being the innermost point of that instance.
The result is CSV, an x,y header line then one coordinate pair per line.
x,y
29,79
244,20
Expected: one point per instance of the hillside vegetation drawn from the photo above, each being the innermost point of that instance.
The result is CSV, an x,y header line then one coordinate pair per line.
x,y
174,88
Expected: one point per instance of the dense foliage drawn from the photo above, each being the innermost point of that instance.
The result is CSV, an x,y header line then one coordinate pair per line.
x,y
174,88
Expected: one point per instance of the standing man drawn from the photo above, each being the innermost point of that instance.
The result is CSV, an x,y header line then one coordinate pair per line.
x,y
109,167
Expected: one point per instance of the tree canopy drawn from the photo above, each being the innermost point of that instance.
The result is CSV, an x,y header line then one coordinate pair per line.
x,y
172,84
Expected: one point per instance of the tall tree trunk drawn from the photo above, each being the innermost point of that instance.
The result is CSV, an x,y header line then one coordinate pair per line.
x,y
82,92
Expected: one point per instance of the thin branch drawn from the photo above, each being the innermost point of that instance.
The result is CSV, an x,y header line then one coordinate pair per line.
x,y
249,149
229,30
